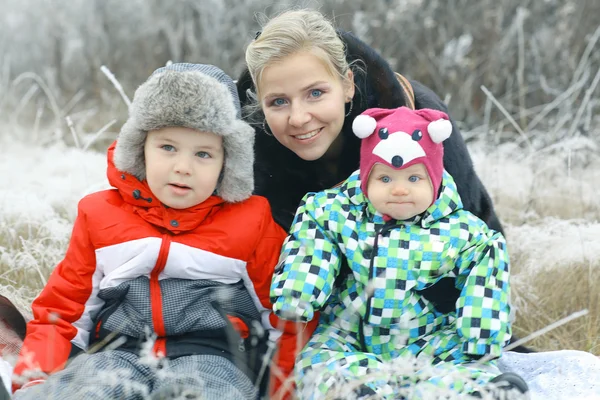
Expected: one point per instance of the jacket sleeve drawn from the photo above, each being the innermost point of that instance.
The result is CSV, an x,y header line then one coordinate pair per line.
x,y
309,264
483,307
57,311
290,336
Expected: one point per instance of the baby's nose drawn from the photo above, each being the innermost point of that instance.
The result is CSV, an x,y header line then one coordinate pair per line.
x,y
400,190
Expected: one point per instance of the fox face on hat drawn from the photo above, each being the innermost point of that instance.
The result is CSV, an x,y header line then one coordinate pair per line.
x,y
402,137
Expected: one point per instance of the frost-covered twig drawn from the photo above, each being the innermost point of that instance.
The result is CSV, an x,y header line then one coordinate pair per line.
x,y
97,134
73,133
556,102
538,333
37,79
116,84
507,115
582,107
583,62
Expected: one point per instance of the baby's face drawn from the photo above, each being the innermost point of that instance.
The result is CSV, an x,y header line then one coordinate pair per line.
x,y
400,194
183,165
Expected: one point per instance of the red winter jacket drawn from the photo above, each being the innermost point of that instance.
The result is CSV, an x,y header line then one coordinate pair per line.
x,y
125,239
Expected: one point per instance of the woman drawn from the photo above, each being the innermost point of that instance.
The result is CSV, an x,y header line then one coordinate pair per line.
x,y
303,86
302,75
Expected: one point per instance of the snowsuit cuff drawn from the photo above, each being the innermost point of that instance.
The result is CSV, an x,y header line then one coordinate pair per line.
x,y
481,347
293,309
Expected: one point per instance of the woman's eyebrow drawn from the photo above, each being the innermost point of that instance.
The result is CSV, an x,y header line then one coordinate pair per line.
x,y
271,95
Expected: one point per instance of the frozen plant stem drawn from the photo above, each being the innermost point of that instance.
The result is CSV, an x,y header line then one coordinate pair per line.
x,y
507,115
73,133
116,84
541,332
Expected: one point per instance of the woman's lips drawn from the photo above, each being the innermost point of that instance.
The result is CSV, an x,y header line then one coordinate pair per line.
x,y
305,137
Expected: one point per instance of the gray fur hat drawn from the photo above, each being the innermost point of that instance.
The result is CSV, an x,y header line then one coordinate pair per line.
x,y
195,96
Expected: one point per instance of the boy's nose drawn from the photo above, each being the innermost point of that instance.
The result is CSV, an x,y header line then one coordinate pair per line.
x,y
183,165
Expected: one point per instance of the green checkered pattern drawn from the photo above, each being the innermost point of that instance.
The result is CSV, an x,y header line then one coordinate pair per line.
x,y
332,358
381,295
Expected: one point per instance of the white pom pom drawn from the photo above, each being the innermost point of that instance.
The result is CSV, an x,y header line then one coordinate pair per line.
x,y
439,130
363,126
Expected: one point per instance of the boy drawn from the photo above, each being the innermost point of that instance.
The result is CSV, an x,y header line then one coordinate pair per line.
x,y
391,231
178,257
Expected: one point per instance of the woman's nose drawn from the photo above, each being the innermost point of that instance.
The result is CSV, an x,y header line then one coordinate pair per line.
x,y
299,115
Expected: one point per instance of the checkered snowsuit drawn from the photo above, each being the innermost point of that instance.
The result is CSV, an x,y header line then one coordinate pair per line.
x,y
375,316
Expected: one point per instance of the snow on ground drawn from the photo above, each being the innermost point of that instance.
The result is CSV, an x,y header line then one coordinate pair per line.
x,y
40,188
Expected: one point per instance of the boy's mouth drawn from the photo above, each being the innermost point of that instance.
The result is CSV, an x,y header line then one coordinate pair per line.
x,y
180,185
179,188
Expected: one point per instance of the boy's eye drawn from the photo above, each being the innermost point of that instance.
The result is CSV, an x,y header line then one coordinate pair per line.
x,y
316,93
414,178
385,179
203,154
167,147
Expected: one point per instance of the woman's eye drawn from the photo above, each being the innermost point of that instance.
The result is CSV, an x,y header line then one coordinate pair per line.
x,y
386,179
167,147
414,179
316,93
203,154
278,102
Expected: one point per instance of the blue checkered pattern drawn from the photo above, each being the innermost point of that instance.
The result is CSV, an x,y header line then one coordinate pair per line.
x,y
380,304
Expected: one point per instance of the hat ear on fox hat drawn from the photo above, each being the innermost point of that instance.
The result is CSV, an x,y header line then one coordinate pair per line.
x,y
439,130
364,124
439,127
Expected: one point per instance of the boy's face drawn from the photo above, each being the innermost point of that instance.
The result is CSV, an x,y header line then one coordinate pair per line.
x,y
400,194
183,165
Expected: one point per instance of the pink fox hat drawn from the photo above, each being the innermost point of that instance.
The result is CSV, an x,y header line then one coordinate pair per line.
x,y
402,137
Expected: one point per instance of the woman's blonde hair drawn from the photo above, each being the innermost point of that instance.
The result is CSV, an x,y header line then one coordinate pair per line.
x,y
292,32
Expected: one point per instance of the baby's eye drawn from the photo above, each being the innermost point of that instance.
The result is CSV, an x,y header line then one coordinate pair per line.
x,y
167,147
414,178
203,154
385,179
316,93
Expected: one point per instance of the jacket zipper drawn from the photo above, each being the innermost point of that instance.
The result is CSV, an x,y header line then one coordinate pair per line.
x,y
160,348
384,229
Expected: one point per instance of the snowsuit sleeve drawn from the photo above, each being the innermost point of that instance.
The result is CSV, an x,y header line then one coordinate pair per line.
x,y
58,329
483,307
292,336
309,263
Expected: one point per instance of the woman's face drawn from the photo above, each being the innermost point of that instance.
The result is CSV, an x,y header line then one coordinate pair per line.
x,y
304,104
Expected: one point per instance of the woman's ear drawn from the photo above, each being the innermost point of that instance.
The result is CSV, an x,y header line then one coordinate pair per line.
x,y
349,84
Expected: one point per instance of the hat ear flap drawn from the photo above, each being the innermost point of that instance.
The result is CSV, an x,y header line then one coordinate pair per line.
x,y
439,130
363,126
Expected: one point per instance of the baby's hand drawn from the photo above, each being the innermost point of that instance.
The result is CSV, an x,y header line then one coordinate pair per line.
x,y
293,309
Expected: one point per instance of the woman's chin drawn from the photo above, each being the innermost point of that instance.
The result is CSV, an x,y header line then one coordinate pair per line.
x,y
310,154
310,151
